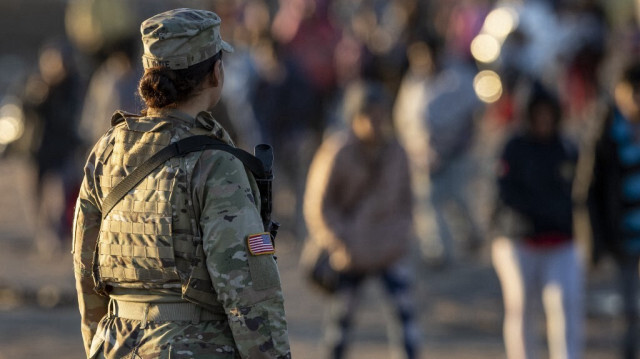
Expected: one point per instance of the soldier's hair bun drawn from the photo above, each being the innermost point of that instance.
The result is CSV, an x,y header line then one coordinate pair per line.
x,y
158,88
162,87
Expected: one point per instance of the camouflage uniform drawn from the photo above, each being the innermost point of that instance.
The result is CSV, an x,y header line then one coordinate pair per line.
x,y
176,247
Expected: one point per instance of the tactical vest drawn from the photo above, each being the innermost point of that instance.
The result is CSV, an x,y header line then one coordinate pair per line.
x,y
151,238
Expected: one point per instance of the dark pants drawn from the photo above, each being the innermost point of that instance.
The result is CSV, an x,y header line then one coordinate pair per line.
x,y
629,290
397,283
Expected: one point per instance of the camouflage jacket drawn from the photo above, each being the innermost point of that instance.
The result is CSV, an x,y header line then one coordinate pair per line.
x,y
247,287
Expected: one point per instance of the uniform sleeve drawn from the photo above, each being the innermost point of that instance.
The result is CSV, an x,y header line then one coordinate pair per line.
x,y
248,286
85,234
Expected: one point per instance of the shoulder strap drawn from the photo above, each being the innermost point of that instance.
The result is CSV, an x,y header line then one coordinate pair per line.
x,y
202,142
179,148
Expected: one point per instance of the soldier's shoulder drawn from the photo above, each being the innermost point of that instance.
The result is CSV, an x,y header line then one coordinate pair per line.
x,y
222,167
225,162
205,122
119,117
104,144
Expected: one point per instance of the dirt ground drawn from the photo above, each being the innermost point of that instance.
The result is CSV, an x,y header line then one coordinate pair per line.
x,y
460,308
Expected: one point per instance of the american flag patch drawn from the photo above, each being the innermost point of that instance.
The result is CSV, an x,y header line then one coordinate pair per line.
x,y
260,243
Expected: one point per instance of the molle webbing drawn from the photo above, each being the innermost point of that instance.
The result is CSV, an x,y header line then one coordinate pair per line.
x,y
142,206
136,251
180,148
153,229
138,274
134,248
147,238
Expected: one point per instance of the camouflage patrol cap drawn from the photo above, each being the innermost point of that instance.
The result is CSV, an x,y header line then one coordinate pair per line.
x,y
180,38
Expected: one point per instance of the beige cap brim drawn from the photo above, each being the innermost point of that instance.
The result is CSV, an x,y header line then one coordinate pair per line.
x,y
226,47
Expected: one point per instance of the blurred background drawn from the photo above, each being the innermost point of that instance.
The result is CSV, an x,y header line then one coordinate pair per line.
x,y
457,69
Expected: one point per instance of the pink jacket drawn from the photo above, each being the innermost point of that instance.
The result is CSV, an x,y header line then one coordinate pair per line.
x,y
358,203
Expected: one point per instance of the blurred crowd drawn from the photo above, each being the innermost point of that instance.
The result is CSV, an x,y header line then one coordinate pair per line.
x,y
463,78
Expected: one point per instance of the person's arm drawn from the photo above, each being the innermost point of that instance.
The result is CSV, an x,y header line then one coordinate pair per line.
x,y
510,187
324,207
598,199
85,234
247,285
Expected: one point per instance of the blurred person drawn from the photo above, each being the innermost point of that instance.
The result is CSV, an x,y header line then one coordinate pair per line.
x,y
308,37
51,100
305,30
537,258
181,264
112,87
532,50
281,98
460,22
414,91
249,21
450,110
614,199
382,29
584,43
358,207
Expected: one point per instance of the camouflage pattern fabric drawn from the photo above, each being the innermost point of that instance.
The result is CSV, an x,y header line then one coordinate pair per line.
x,y
246,287
180,38
123,338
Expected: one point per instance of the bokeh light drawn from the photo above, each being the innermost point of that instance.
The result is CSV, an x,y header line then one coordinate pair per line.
x,y
500,22
488,86
485,48
11,123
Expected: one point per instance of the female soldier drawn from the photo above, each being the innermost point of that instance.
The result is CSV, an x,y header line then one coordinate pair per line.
x,y
173,269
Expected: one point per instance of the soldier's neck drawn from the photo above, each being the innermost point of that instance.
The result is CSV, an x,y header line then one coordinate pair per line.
x,y
205,100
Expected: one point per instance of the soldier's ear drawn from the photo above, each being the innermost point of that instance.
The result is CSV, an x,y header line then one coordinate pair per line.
x,y
217,73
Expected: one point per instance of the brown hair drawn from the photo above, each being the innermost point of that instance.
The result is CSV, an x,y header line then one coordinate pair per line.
x,y
162,87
